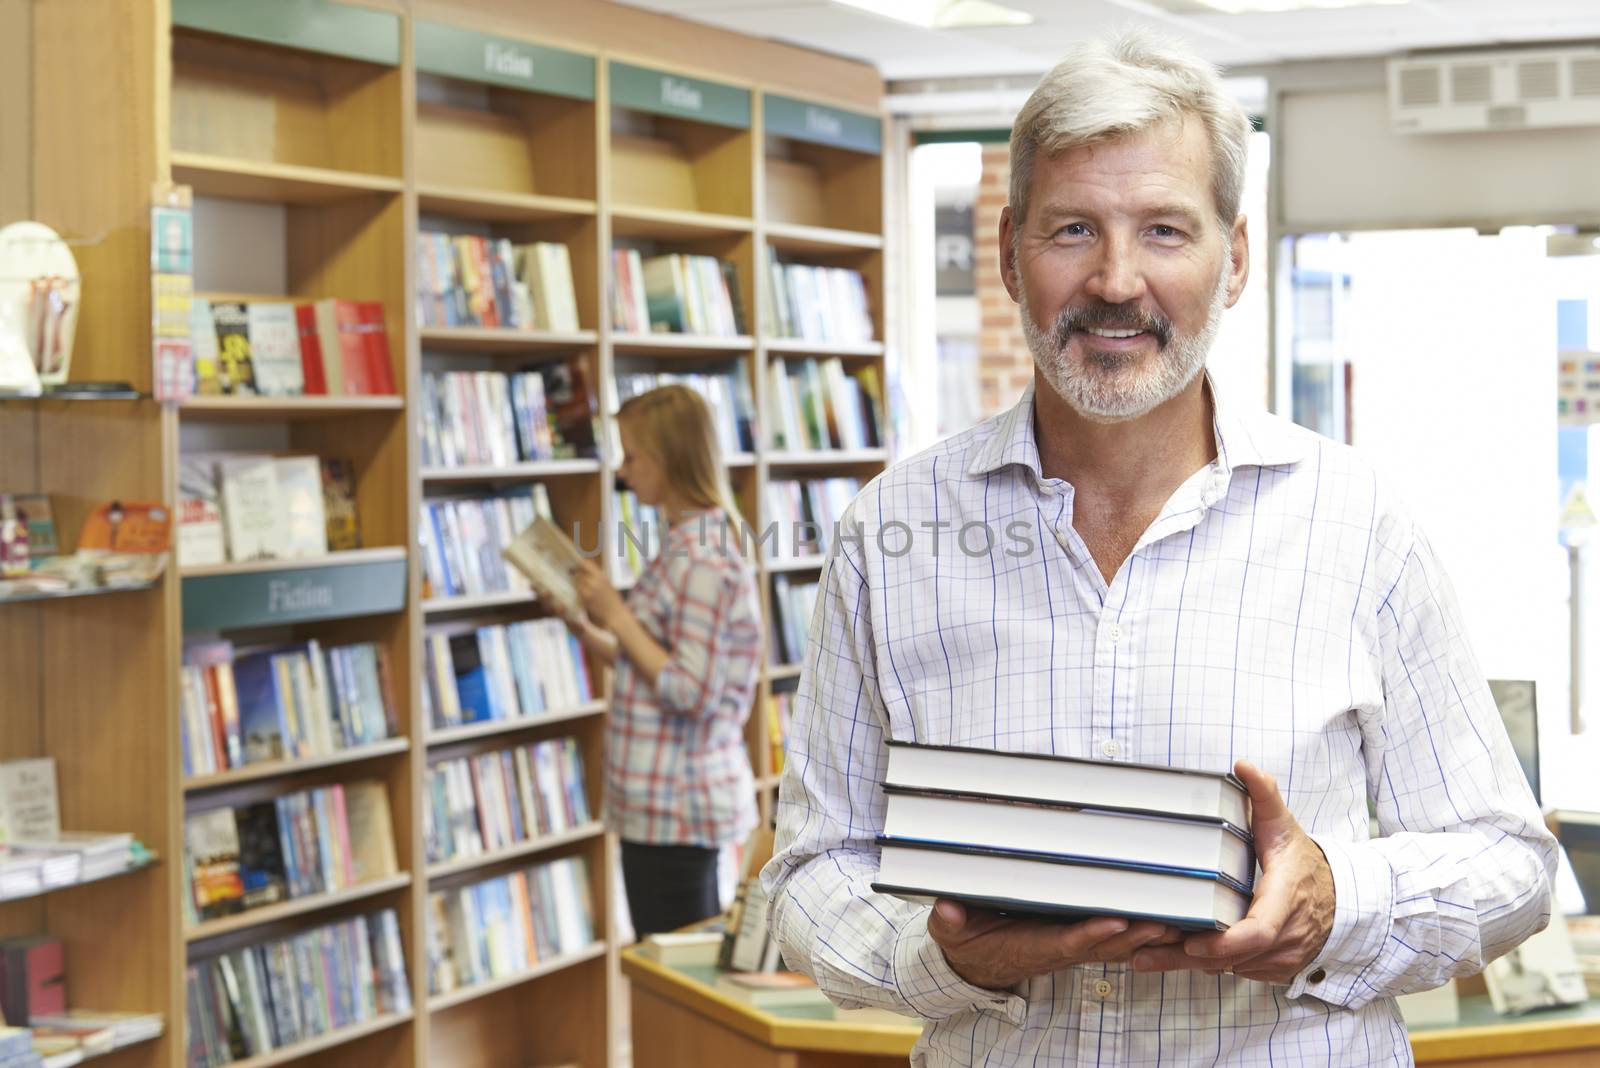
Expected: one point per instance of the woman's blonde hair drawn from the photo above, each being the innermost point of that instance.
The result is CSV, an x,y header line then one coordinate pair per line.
x,y
673,423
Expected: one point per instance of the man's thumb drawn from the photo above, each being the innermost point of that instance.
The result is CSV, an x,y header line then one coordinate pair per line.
x,y
1269,816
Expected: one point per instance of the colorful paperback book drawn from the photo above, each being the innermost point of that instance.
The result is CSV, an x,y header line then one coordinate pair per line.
x,y
275,349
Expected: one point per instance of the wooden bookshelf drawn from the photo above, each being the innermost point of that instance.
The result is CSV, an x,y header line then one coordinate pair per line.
x,y
320,139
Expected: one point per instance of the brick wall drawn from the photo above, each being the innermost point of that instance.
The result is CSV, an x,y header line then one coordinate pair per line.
x,y
1004,365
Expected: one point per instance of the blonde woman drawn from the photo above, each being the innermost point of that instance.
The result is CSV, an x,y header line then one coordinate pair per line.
x,y
686,644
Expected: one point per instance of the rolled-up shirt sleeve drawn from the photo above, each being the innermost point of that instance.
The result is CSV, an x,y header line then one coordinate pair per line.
x,y
862,948
701,631
1463,868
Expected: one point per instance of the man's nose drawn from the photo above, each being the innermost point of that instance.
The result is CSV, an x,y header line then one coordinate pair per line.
x,y
1118,276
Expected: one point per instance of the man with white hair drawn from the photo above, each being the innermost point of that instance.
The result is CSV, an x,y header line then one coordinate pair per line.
x,y
1162,577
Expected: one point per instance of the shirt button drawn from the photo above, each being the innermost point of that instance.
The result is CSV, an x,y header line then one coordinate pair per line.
x,y
1317,976
1110,748
1114,632
1103,988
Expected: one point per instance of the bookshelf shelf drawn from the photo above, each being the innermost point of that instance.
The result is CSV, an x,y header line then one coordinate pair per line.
x,y
828,458
789,237
769,782
781,672
279,183
501,339
286,408
437,606
784,346
667,223
132,869
73,391
740,459
40,596
512,472
444,870
811,562
332,1039
440,1002
448,736
490,205
299,906
272,769
678,344
335,559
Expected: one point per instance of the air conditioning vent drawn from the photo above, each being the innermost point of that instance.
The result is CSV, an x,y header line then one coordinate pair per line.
x,y
1470,84
1585,77
1510,89
1539,81
1419,87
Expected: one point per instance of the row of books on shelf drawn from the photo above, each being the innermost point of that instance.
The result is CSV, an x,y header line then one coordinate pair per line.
x,y
470,280
281,349
502,672
462,538
675,294
288,990
35,853
496,418
282,702
473,418
640,533
792,604
493,801
250,506
726,393
499,927
315,841
823,304
806,511
816,404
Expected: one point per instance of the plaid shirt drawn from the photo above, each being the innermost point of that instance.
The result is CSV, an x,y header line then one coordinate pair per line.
x,y
677,772
1280,609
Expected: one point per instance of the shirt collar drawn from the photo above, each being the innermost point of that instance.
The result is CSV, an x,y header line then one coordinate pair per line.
x,y
1244,438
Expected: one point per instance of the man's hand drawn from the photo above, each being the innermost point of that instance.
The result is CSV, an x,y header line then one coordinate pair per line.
x,y
996,952
1291,914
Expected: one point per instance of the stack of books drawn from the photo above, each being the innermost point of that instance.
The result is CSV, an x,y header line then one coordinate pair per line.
x,y
1031,833
726,393
792,605
676,294
463,538
825,304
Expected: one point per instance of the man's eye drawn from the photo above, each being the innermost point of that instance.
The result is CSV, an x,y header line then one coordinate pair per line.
x,y
1073,230
1165,232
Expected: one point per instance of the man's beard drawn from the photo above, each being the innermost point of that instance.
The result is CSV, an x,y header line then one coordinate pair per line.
x,y
1107,385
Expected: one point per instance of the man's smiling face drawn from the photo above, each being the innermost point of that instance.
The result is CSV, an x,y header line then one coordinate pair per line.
x,y
1122,270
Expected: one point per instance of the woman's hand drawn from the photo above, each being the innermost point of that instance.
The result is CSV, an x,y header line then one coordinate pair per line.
x,y
601,601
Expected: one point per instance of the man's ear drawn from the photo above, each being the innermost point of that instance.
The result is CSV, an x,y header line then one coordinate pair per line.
x,y
1239,260
1008,253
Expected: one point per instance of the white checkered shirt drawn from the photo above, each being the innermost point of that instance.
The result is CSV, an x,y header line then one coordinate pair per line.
x,y
1281,609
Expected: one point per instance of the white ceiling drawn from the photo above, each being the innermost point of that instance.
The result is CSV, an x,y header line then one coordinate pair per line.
x,y
902,51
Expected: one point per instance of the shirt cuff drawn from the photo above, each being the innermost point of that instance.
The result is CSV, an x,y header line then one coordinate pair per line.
x,y
673,687
1363,887
932,988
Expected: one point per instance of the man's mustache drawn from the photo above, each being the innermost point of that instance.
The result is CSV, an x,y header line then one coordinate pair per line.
x,y
1100,315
